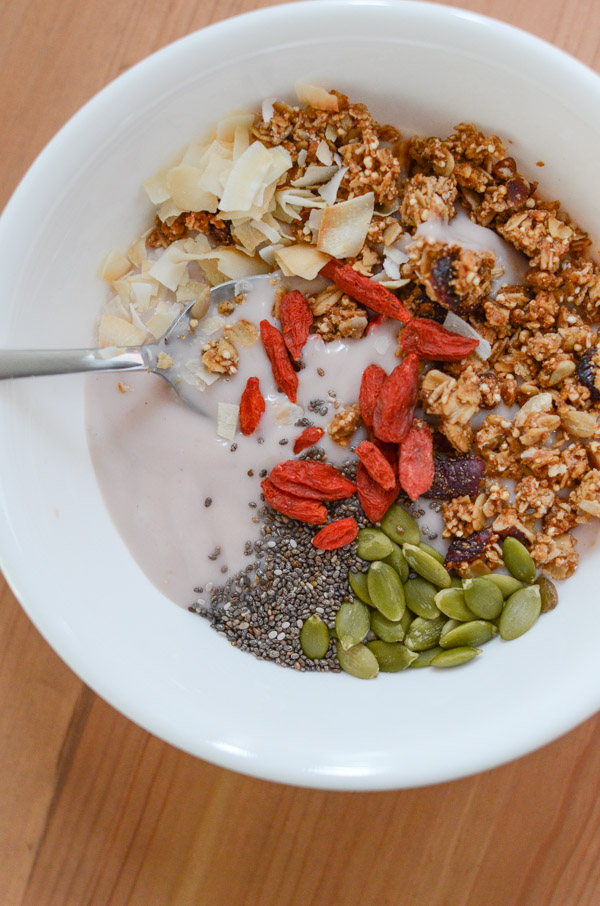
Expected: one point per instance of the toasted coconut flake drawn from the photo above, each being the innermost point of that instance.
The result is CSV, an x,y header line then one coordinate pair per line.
x,y
115,265
457,325
268,253
329,191
191,290
156,188
247,235
248,179
291,201
228,125
241,141
184,185
163,317
316,97
324,153
287,413
137,321
114,331
314,176
216,172
168,211
212,324
235,264
301,260
227,419
391,268
344,226
267,109
171,266
137,252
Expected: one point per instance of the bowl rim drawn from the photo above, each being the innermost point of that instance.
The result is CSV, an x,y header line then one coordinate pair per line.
x,y
506,749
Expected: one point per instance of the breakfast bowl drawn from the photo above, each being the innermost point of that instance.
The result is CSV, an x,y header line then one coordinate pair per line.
x,y
423,68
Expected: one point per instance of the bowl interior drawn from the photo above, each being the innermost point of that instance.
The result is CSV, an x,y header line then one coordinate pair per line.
x,y
423,68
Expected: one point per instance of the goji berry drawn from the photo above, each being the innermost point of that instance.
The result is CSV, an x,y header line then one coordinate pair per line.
x,y
285,376
432,341
307,438
296,320
252,406
370,387
316,480
374,499
415,461
376,465
397,400
366,291
299,508
336,534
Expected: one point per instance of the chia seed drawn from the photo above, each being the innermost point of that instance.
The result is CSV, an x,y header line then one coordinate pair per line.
x,y
208,501
283,441
233,448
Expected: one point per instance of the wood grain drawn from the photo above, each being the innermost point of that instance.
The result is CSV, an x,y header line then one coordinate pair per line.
x,y
96,811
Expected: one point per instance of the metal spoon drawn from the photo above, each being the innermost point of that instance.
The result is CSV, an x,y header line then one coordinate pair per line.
x,y
36,362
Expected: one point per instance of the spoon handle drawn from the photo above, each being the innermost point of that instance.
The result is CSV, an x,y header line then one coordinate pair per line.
x,y
30,363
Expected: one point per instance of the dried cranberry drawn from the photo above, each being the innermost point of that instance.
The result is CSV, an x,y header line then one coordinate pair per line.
x,y
587,371
455,477
441,275
463,550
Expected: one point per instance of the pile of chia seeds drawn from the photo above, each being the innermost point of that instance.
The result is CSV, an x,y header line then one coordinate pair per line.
x,y
261,609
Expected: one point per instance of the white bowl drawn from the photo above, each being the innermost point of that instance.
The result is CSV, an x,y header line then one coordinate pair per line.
x,y
424,68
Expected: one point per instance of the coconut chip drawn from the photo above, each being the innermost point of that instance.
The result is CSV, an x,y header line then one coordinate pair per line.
x,y
316,97
227,419
267,109
301,260
314,176
457,325
114,266
344,226
113,331
183,183
329,191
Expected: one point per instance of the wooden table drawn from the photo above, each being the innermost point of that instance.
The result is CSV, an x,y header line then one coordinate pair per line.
x,y
94,810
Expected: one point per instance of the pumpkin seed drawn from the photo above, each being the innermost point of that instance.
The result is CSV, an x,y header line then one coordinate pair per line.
x,y
400,526
358,584
373,544
451,601
392,656
406,619
483,598
352,623
506,584
424,658
420,596
397,560
548,593
431,551
455,656
455,581
357,661
518,560
426,566
386,591
314,637
448,626
424,634
520,612
385,629
469,635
